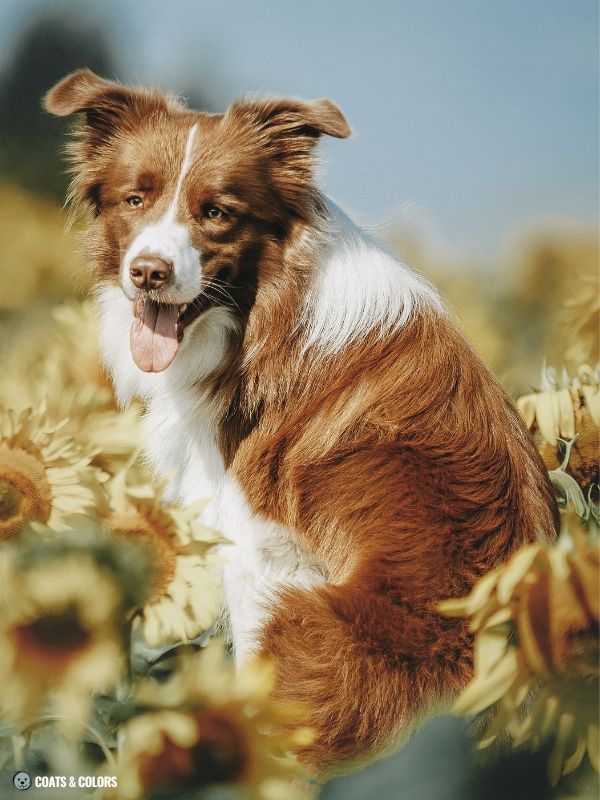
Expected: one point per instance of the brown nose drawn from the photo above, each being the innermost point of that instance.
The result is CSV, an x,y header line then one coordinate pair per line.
x,y
150,272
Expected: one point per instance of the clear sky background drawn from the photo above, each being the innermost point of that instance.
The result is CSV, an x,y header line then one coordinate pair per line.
x,y
471,116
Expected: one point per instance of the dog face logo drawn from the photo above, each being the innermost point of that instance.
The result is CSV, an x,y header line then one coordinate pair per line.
x,y
22,781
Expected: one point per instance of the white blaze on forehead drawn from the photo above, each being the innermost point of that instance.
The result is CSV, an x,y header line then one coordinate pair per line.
x,y
170,240
187,161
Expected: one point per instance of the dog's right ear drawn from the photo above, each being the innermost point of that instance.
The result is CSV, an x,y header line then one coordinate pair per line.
x,y
106,105
81,91
106,108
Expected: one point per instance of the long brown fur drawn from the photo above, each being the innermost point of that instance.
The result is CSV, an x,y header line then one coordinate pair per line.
x,y
400,463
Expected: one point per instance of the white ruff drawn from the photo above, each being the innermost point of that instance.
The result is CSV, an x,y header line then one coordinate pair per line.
x,y
358,288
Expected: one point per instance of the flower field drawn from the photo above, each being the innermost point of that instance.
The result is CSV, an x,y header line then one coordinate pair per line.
x,y
112,659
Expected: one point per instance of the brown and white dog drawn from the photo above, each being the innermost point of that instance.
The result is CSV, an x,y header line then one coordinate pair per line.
x,y
364,461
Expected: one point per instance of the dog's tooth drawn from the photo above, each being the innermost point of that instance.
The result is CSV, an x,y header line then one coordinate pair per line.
x,y
183,308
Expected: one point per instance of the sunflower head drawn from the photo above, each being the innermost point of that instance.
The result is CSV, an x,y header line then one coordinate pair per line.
x,y
56,360
61,630
212,726
62,373
567,410
183,598
180,751
52,636
83,537
25,493
44,474
535,621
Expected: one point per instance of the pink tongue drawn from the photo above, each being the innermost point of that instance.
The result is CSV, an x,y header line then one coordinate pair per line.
x,y
153,337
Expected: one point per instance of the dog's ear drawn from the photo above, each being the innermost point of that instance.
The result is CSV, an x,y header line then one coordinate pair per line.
x,y
82,90
285,132
327,118
106,105
282,117
106,108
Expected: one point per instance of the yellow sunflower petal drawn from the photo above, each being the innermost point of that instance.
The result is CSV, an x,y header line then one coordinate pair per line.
x,y
483,692
514,572
574,760
527,406
566,413
564,737
593,745
547,416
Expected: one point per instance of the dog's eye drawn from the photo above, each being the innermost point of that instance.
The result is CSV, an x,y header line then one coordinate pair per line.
x,y
212,212
135,201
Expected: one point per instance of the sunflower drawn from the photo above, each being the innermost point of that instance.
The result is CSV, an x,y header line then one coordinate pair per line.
x,y
210,725
92,421
54,353
63,351
567,411
184,599
60,633
44,474
535,621
66,378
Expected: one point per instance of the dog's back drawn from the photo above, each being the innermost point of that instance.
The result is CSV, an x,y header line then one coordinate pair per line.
x,y
398,472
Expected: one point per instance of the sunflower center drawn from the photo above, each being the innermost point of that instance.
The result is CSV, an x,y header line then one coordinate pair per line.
x,y
157,543
25,493
11,500
54,637
218,756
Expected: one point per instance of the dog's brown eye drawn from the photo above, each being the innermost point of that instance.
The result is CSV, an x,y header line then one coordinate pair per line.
x,y
212,212
135,201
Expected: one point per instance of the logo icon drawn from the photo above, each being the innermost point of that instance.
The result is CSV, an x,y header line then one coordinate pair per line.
x,y
22,781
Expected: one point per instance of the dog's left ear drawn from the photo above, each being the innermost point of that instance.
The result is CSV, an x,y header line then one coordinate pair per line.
x,y
326,117
285,131
287,118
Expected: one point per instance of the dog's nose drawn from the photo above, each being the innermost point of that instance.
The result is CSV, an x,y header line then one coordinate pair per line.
x,y
150,272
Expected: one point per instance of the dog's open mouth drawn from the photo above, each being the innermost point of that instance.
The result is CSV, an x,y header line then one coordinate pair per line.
x,y
157,331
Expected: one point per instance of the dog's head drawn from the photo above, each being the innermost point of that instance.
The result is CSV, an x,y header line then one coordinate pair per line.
x,y
184,202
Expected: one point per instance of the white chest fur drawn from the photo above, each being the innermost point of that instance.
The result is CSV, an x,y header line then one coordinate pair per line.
x,y
181,437
263,557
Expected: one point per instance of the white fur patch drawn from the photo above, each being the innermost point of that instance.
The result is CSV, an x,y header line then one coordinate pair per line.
x,y
187,163
358,288
202,350
181,436
171,241
263,559
180,422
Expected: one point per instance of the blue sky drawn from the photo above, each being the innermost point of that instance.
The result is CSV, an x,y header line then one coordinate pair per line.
x,y
476,116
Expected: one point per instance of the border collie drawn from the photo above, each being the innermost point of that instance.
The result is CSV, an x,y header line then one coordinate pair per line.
x,y
363,460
